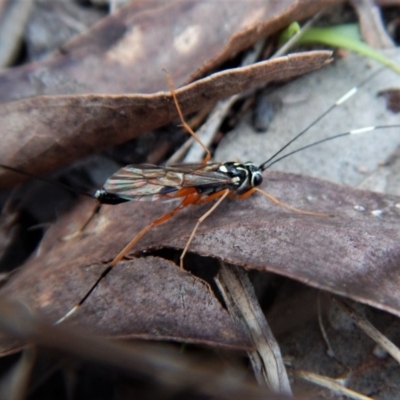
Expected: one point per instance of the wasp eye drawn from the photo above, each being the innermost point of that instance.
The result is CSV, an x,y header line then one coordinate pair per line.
x,y
257,179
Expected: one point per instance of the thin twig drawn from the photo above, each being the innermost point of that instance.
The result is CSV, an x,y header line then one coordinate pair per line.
x,y
243,306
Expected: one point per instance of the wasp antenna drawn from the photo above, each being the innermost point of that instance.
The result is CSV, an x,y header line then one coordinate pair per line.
x,y
359,131
336,104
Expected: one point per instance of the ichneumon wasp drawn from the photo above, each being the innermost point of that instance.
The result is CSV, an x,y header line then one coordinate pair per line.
x,y
194,184
197,184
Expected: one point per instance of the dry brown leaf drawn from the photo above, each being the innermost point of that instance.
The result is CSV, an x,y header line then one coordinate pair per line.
x,y
126,52
44,133
151,299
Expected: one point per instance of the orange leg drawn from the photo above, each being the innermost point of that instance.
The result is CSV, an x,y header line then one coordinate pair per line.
x,y
218,195
185,125
190,198
279,203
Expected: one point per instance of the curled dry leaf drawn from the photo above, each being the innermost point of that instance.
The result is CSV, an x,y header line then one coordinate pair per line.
x,y
151,299
44,133
355,253
125,52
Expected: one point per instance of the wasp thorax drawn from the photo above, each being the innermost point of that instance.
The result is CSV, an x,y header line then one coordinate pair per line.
x,y
245,175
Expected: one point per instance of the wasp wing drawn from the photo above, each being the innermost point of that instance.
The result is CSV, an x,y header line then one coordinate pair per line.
x,y
151,182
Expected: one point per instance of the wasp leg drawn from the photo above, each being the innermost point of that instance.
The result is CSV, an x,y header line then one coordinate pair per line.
x,y
220,196
82,229
188,200
280,203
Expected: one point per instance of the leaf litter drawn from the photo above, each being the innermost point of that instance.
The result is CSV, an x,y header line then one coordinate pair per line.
x,y
125,52
236,233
